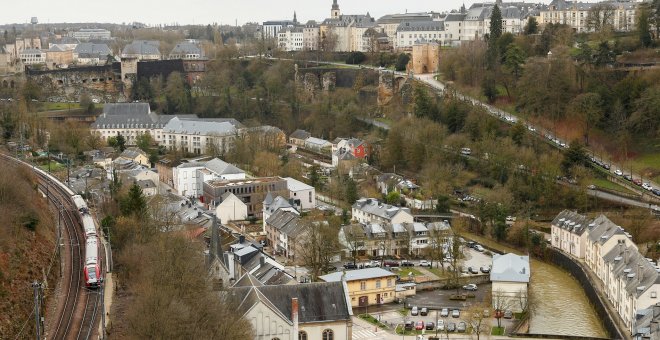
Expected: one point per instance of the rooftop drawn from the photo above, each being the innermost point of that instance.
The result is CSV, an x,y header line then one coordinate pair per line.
x,y
510,268
358,274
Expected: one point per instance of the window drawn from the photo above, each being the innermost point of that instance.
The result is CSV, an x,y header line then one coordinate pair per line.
x,y
302,335
328,334
377,283
363,285
389,282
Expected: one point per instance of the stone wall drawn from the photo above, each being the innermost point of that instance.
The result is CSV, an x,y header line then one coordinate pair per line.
x,y
100,82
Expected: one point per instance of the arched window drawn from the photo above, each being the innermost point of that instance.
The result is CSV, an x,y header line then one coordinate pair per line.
x,y
302,335
328,334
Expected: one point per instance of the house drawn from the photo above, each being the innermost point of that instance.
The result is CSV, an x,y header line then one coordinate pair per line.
x,y
348,149
32,56
91,34
217,169
185,179
647,323
290,39
410,33
272,205
139,175
231,208
298,137
301,195
149,188
510,277
91,53
187,50
251,191
296,312
247,258
366,287
136,155
576,14
370,210
58,57
142,50
285,229
568,232
603,235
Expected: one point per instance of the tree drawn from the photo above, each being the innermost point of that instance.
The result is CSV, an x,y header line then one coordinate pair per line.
x,y
644,26
424,106
501,303
532,26
351,190
87,104
646,117
353,239
133,203
318,246
477,320
177,94
494,37
489,87
575,155
355,58
144,141
402,62
393,197
443,206
314,178
600,17
118,142
587,108
517,133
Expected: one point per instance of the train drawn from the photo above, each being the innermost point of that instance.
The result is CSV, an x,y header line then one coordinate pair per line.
x,y
92,265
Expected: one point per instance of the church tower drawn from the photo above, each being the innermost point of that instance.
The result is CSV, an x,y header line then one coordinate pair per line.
x,y
334,14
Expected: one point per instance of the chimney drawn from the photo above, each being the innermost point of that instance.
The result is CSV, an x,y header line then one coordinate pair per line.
x,y
294,314
656,311
262,261
640,272
241,239
215,237
620,247
625,255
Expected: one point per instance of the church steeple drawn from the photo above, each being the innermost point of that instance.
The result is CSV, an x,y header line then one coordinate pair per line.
x,y
295,18
335,13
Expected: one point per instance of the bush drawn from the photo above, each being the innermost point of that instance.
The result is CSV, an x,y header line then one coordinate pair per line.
x,y
402,62
356,58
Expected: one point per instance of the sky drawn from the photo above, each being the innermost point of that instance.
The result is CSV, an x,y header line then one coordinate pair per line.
x,y
206,11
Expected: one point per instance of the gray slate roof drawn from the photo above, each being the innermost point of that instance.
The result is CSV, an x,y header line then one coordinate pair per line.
x,y
572,221
186,47
510,268
278,203
132,153
91,49
374,207
185,126
358,274
142,47
300,134
628,264
317,302
409,26
602,229
221,167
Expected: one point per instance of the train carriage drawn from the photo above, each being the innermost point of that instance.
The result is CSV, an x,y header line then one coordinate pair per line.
x,y
92,269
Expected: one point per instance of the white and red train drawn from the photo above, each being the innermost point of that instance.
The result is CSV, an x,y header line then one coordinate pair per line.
x,y
92,265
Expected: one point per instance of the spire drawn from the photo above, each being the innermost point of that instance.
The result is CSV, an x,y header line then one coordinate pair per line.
x,y
335,13
335,6
295,17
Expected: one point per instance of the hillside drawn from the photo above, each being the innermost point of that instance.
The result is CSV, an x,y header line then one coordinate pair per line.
x,y
27,241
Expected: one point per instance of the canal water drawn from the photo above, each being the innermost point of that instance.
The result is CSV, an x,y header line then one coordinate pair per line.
x,y
562,308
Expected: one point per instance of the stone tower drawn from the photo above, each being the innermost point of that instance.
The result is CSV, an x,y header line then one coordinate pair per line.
x,y
334,14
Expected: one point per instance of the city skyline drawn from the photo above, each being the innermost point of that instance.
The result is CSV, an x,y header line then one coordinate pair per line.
x,y
209,12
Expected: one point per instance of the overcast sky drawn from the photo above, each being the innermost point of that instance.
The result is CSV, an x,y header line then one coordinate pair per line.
x,y
206,11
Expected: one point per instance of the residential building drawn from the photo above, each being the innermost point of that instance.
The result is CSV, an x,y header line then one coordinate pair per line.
x,y
247,258
142,50
370,210
136,155
185,179
272,205
217,169
251,191
198,136
58,57
148,187
366,287
301,195
311,36
391,22
32,56
410,33
291,39
647,324
296,312
272,28
510,277
345,31
621,14
91,53
359,149
231,208
91,34
299,137
188,50
603,236
568,233
283,229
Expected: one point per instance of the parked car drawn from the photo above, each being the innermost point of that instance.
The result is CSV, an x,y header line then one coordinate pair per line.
x,y
372,264
441,325
466,151
350,265
479,248
424,263
451,327
647,186
444,313
656,191
470,244
455,313
470,286
430,326
414,311
461,327
508,314
390,263
419,326
618,172
409,325
424,311
407,264
472,270
637,181
485,269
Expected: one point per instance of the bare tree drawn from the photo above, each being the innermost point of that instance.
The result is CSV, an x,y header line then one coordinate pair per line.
x,y
319,244
600,17
477,319
352,238
501,303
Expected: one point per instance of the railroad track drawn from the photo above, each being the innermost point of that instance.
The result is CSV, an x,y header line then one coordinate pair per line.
x,y
76,313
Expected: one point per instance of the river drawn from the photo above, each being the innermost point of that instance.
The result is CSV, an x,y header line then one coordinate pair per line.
x,y
561,306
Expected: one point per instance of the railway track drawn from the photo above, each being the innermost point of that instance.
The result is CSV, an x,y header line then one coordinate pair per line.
x,y
76,314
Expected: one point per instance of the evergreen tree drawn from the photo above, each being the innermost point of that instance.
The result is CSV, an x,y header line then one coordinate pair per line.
x,y
351,191
532,26
644,27
494,37
134,203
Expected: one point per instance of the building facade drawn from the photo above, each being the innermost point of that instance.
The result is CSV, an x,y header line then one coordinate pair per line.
x,y
366,287
251,191
370,210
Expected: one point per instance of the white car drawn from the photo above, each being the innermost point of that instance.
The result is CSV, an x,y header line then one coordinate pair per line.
x,y
444,312
479,248
470,286
618,172
647,186
466,151
440,325
424,263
